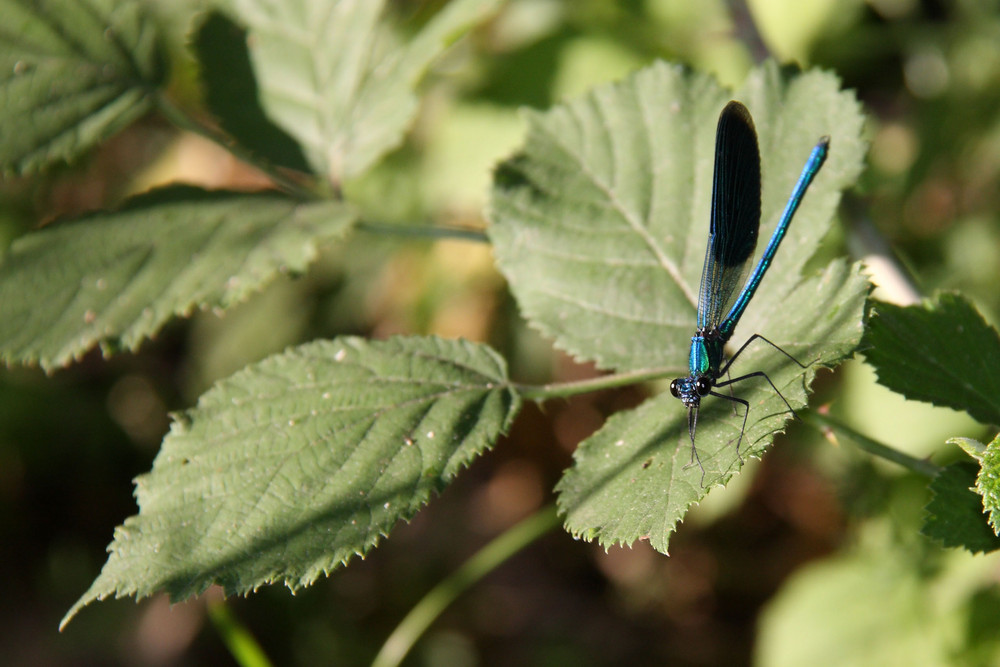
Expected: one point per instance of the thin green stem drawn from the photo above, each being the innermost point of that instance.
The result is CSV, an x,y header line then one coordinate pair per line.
x,y
873,447
241,644
564,389
184,121
437,600
434,232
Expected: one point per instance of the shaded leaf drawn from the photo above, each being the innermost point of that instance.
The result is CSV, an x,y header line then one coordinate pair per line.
x,y
955,513
116,277
938,352
72,73
334,76
232,95
294,465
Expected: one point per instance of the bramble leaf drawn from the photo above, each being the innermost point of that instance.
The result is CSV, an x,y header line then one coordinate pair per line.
x,y
116,278
334,76
294,465
72,73
955,512
232,94
955,346
634,478
600,225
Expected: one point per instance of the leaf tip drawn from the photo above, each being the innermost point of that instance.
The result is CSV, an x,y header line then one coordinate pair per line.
x,y
970,446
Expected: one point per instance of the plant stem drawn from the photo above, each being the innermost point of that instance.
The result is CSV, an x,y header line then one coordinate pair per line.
x,y
428,231
919,466
242,645
564,389
184,121
437,600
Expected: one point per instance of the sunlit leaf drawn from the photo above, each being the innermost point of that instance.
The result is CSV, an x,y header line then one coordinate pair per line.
x,y
955,513
334,76
601,221
988,483
634,478
600,225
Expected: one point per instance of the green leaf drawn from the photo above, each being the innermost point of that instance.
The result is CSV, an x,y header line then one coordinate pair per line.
x,y
988,479
988,483
232,95
955,513
970,446
871,609
874,605
937,352
294,465
74,72
335,77
600,226
116,278
600,223
633,479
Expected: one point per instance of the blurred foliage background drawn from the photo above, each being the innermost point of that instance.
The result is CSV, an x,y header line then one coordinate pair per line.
x,y
813,552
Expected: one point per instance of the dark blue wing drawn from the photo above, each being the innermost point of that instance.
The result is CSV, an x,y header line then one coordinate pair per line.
x,y
735,215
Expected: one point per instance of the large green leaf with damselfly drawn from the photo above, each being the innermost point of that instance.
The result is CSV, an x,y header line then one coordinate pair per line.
x,y
600,225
